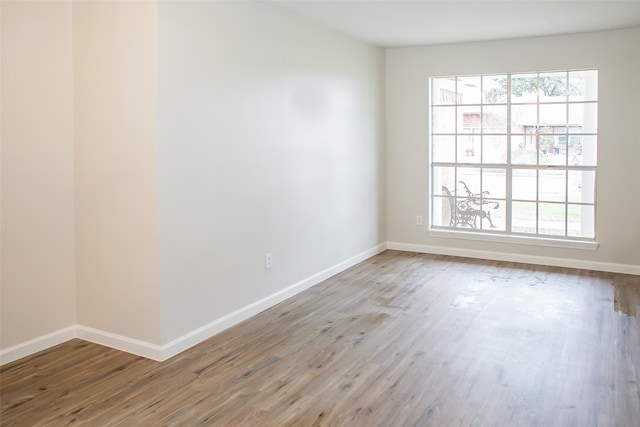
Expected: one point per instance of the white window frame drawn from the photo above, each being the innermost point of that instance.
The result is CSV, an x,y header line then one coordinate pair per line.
x,y
508,236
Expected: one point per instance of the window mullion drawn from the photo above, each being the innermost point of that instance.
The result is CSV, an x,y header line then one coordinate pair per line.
x,y
566,201
509,172
455,169
538,153
566,160
482,123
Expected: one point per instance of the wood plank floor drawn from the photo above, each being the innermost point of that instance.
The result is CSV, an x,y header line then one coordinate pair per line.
x,y
401,339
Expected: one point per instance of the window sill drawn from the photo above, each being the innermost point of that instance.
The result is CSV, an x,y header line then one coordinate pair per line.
x,y
520,240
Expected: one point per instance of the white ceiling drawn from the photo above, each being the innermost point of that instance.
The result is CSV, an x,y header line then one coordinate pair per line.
x,y
396,23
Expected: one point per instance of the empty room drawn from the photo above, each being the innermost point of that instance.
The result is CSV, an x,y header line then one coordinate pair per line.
x,y
300,213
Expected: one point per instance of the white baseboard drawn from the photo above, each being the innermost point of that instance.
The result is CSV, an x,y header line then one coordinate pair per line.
x,y
107,339
37,344
160,353
120,342
207,331
513,257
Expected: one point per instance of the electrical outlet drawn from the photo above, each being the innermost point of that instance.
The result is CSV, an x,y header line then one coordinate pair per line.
x,y
268,261
418,219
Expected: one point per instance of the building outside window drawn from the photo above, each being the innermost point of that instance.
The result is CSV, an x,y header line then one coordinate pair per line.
x,y
515,154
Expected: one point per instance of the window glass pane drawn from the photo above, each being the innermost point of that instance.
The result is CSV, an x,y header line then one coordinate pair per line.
x,y
523,217
469,88
524,184
443,119
468,181
553,115
558,156
552,151
551,219
466,214
585,116
441,209
546,143
524,88
581,221
494,183
469,120
493,218
494,119
494,149
523,150
443,148
573,145
581,186
494,89
584,153
443,176
583,85
443,91
551,185
469,148
524,118
471,208
553,87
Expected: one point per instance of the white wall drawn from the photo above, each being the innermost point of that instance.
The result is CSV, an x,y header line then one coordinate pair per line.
x,y
617,56
38,287
115,72
271,140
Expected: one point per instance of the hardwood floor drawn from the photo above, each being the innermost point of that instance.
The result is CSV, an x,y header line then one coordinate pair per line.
x,y
401,339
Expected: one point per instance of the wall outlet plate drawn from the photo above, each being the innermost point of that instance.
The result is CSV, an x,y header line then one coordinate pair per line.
x,y
268,261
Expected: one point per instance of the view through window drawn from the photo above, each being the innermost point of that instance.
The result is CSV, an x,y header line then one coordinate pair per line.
x,y
515,153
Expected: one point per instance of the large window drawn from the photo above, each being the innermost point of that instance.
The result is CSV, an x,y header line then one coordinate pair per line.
x,y
515,153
